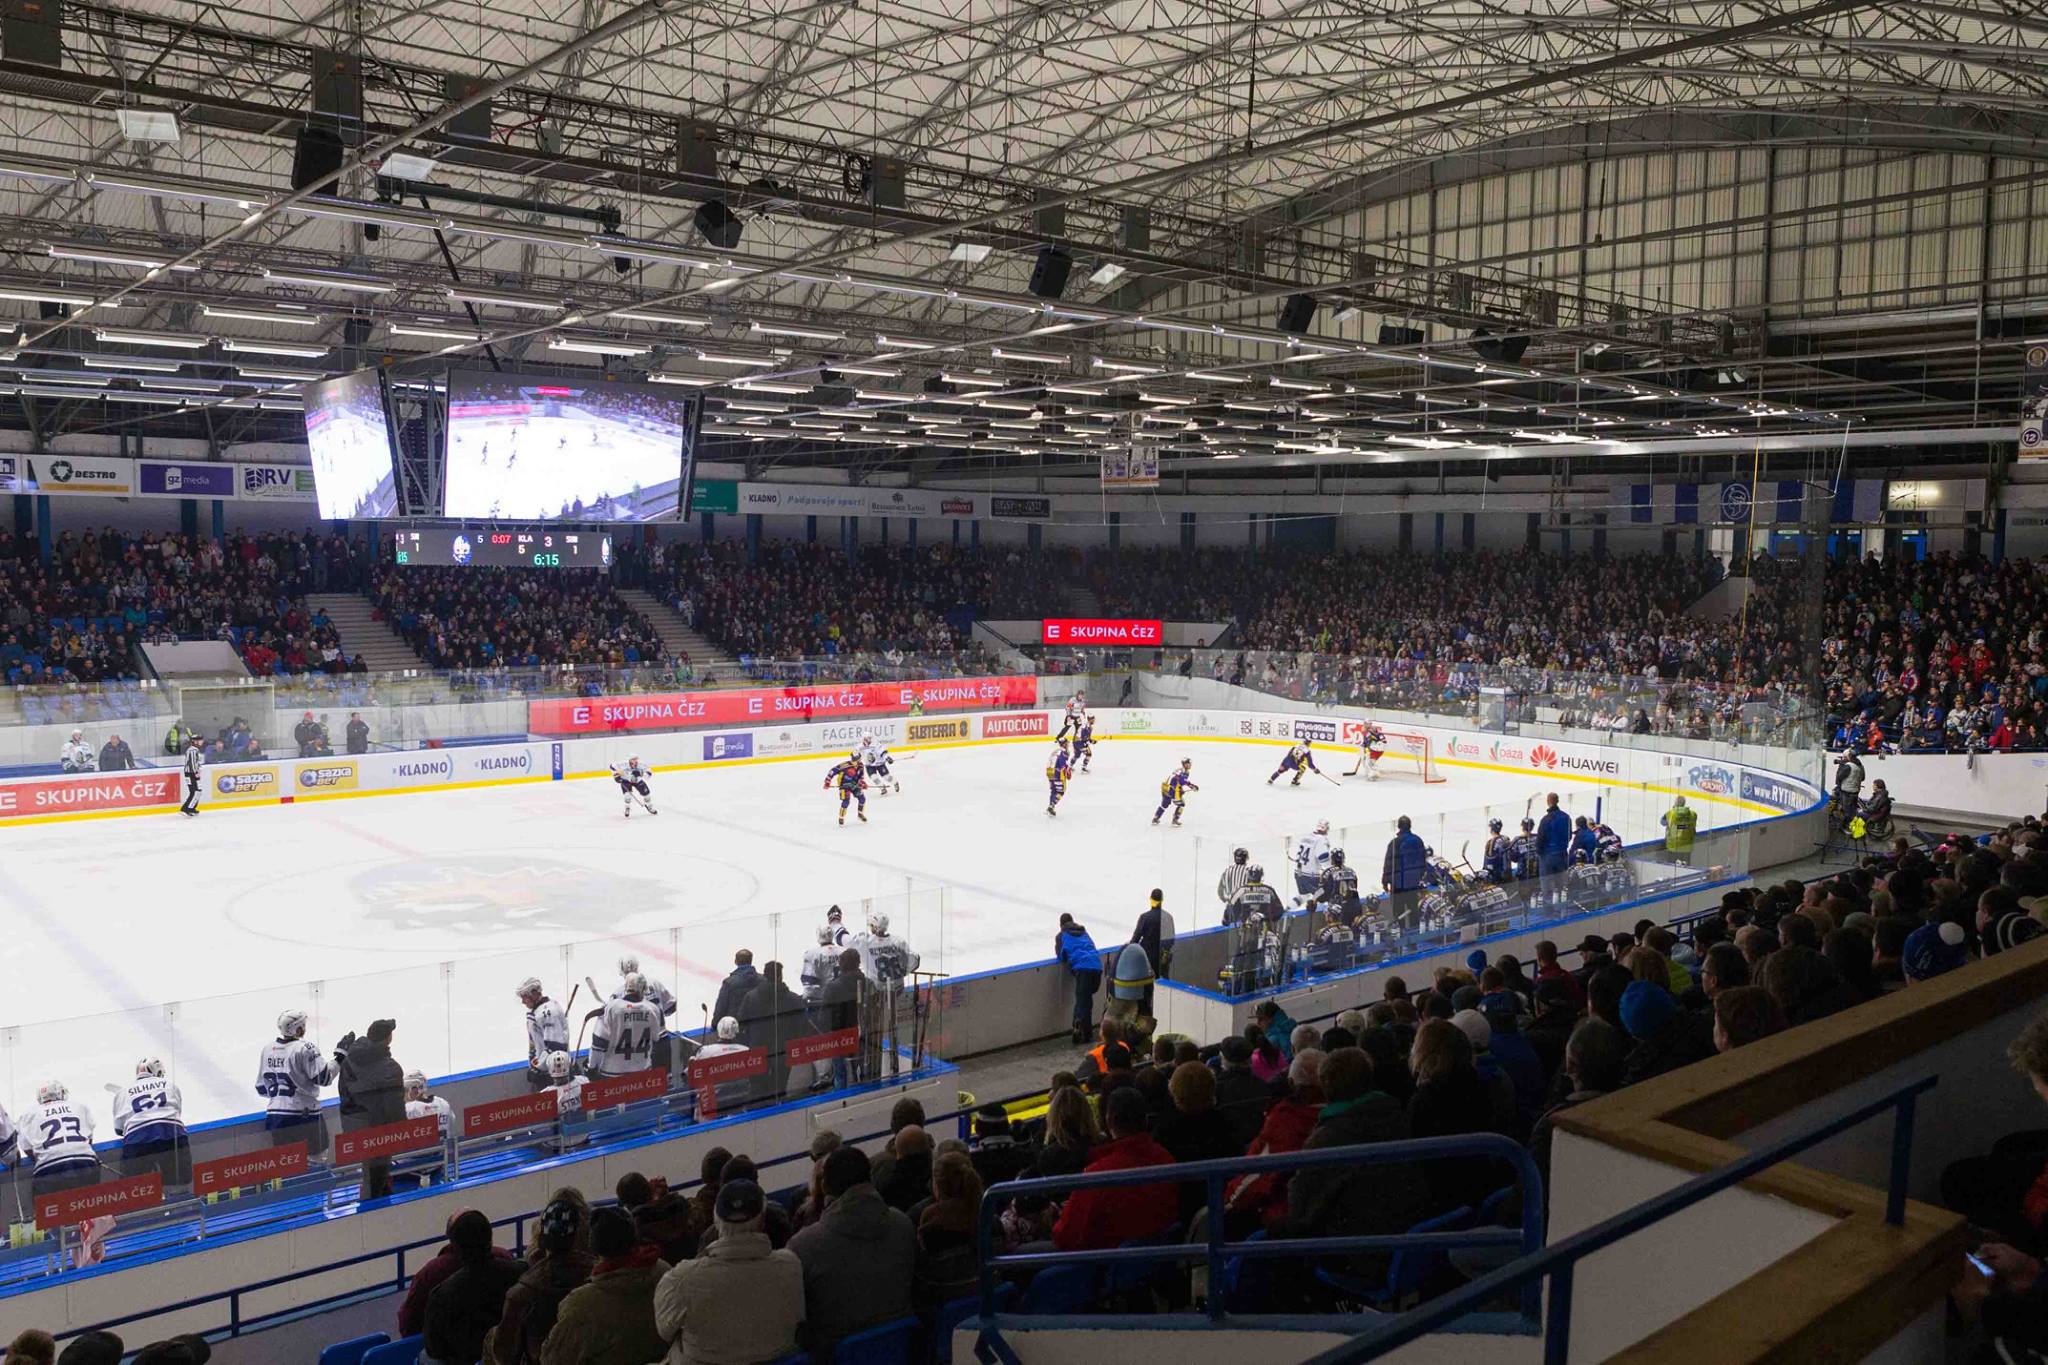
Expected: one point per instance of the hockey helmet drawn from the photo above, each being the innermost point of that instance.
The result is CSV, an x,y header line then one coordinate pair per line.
x,y
291,1024
635,986
416,1084
628,965
878,924
1240,855
49,1092
148,1066
1256,873
1528,825
824,936
559,1065
1186,764
1322,826
1336,857
728,1030
1493,826
530,986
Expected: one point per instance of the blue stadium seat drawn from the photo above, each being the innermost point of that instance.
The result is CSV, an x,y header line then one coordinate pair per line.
x,y
1060,1289
888,1344
952,1314
404,1351
1124,1276
351,1352
1407,1272
1248,1280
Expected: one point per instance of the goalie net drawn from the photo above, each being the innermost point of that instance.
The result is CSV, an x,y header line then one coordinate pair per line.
x,y
1404,753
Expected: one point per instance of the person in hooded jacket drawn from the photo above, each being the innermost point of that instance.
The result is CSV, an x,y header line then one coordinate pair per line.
x,y
1077,952
859,1258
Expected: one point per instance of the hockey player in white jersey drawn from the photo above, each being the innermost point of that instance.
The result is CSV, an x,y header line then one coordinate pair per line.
x,y
1076,716
1311,860
874,761
835,920
149,1116
821,964
547,1031
885,959
421,1101
77,755
627,1032
632,780
663,998
289,1076
56,1136
568,1088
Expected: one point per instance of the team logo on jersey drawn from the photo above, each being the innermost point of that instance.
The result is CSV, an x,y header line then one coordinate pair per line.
x,y
328,777
1711,778
246,781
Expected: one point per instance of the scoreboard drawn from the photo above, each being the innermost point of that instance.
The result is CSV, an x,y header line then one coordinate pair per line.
x,y
538,548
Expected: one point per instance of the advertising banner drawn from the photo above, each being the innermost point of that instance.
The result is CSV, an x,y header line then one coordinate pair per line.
x,y
64,1208
111,791
1011,727
161,478
244,780
630,1088
87,475
502,1116
823,1046
320,776
248,1168
934,731
770,705
275,482
1089,631
797,499
387,1139
1779,793
714,495
719,747
2034,402
1020,509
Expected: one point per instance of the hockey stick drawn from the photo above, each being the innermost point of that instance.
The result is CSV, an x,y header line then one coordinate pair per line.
x,y
595,993
1326,777
582,1029
574,987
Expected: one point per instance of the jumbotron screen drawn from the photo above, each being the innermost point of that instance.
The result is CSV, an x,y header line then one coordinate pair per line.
x,y
531,448
349,439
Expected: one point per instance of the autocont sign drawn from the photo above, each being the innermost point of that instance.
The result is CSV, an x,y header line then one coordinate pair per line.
x,y
1093,631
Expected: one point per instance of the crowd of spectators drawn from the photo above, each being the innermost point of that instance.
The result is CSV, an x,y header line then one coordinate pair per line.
x,y
476,618
1945,654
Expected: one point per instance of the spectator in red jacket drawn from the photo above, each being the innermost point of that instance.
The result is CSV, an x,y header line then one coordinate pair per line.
x,y
1255,1200
1100,1218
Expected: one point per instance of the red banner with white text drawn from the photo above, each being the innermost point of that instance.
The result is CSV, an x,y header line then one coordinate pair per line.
x,y
109,791
1094,631
772,705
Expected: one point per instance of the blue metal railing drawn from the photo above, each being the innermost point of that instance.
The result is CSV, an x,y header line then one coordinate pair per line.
x,y
1216,1251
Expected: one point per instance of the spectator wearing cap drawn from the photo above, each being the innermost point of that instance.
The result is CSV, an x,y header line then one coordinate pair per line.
x,y
996,1152
1666,1036
556,1267
1594,953
1240,1096
742,1300
610,1319
1933,949
470,1301
90,1348
1346,1199
1093,1219
858,1259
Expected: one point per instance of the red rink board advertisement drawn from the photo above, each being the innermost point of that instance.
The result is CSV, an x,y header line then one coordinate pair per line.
x,y
249,1168
502,1116
821,1046
631,1088
126,791
1094,631
772,705
389,1139
66,1207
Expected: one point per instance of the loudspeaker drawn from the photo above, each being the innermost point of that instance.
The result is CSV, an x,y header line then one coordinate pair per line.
x,y
356,331
471,123
32,31
1137,228
1502,350
697,150
1049,276
337,79
317,154
1297,313
1391,335
887,190
718,224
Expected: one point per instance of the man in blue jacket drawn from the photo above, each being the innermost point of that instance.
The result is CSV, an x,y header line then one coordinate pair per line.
x,y
1079,955
1553,845
1401,872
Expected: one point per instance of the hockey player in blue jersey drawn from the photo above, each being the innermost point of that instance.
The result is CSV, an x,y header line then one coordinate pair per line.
x,y
1058,768
1084,743
1498,860
1298,761
1174,791
852,787
1583,842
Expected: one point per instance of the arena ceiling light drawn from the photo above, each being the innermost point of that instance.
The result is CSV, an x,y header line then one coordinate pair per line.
x,y
865,371
659,317
409,166
374,215
185,341
1214,378
275,372
771,386
972,253
430,333
695,381
326,279
1109,272
282,317
159,186
1297,385
1123,367
105,255
1028,357
801,333
650,251
133,362
726,358
493,298
889,343
17,169
614,348
182,385
284,348
974,381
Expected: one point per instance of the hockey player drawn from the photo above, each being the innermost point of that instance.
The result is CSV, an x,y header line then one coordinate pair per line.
x,y
149,1116
77,756
1235,876
1255,900
821,964
195,765
1174,791
289,1076
657,991
1607,846
713,1100
568,1088
1524,859
1370,746
875,765
547,1031
1077,711
1299,760
1084,743
1058,767
835,920
56,1137
852,787
632,780
421,1102
1311,860
626,1032
1498,860
885,959
1337,897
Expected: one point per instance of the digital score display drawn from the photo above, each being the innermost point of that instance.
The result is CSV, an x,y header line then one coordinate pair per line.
x,y
540,548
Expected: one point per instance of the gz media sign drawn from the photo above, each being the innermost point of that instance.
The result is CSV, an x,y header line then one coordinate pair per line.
x,y
1094,632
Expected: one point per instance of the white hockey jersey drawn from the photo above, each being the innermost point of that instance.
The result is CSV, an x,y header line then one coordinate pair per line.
x,y
885,959
664,999
625,1037
289,1075
57,1136
150,1109
7,1134
821,964
434,1106
78,757
547,1030
1312,855
569,1098
873,756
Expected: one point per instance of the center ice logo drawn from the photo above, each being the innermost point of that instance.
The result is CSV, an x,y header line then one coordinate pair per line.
x,y
487,893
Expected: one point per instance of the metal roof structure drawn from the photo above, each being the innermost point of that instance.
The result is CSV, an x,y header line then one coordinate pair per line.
x,y
1323,234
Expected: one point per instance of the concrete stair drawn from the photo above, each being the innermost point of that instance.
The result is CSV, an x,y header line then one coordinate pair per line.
x,y
383,649
1082,601
674,631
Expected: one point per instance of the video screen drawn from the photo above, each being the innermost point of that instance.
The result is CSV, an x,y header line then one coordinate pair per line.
x,y
524,447
349,438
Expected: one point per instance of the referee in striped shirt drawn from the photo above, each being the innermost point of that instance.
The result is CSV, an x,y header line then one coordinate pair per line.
x,y
1235,876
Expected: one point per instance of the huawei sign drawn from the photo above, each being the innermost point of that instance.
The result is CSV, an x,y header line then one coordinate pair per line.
x,y
1543,756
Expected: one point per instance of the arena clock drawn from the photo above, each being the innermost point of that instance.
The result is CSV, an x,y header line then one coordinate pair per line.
x,y
500,547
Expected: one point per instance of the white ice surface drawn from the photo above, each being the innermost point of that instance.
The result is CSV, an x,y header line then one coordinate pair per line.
x,y
184,938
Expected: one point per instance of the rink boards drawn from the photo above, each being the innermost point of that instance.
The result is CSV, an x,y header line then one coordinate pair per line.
x,y
1743,791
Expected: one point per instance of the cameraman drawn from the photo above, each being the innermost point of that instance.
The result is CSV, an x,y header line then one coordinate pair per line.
x,y
1848,784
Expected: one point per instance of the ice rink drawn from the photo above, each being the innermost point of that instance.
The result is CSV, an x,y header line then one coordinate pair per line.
x,y
183,938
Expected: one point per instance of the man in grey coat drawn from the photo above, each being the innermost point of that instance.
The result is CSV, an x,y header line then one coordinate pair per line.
x,y
371,1086
741,1299
858,1258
